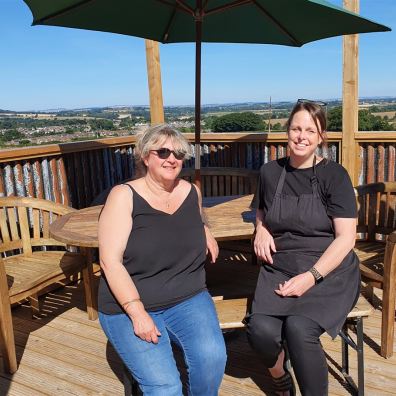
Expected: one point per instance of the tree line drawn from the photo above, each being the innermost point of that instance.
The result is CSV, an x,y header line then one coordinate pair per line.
x,y
249,121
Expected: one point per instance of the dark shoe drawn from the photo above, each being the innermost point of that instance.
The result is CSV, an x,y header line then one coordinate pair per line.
x,y
284,383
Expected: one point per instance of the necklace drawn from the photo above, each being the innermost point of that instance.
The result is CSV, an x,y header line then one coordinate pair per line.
x,y
165,202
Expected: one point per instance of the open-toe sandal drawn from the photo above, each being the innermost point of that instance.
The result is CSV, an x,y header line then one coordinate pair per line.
x,y
284,383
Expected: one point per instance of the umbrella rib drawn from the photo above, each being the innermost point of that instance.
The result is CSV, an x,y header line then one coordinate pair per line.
x,y
185,6
236,3
180,6
61,12
168,27
276,22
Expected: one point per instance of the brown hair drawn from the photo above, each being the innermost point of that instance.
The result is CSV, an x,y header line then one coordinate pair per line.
x,y
318,115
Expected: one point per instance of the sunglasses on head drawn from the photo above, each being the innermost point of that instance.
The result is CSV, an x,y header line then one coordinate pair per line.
x,y
317,102
164,153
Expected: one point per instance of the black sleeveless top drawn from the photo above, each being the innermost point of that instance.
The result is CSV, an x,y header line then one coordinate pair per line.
x,y
164,255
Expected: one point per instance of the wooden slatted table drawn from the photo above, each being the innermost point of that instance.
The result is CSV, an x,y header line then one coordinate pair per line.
x,y
229,218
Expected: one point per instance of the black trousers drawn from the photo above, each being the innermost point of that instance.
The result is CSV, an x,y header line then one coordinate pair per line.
x,y
266,335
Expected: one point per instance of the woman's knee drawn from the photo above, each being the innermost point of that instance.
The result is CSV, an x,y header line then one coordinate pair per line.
x,y
169,387
206,367
261,329
302,330
264,335
156,376
208,357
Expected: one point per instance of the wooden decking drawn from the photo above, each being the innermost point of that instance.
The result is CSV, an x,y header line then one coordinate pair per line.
x,y
64,353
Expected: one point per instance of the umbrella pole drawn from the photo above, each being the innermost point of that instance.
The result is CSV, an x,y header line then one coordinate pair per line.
x,y
198,40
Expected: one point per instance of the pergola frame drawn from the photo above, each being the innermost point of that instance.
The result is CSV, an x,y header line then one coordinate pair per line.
x,y
349,92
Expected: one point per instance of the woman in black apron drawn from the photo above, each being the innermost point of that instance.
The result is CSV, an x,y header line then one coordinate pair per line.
x,y
305,232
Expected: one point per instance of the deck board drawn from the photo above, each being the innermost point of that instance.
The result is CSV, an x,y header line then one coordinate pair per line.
x,y
64,353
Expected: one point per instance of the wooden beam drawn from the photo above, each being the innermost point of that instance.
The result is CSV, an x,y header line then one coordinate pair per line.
x,y
154,82
350,96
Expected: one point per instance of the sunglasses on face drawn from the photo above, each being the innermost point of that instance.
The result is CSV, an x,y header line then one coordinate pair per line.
x,y
164,153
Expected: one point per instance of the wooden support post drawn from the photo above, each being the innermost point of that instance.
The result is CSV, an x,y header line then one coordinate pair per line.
x,y
89,288
154,82
350,109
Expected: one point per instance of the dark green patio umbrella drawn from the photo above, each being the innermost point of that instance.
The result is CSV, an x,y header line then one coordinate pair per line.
x,y
284,22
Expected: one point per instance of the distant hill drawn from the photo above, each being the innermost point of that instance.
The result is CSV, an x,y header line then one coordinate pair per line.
x,y
206,108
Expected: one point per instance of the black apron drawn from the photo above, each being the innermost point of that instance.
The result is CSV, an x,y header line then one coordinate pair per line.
x,y
302,231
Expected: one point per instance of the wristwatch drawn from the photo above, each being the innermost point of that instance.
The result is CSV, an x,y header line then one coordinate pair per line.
x,y
316,274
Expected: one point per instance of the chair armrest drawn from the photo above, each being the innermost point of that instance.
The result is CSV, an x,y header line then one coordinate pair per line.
x,y
390,263
4,294
390,254
391,237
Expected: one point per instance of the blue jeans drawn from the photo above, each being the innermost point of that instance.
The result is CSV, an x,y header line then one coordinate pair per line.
x,y
194,327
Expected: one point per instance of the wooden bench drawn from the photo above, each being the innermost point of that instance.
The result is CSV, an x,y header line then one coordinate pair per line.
x,y
232,312
375,246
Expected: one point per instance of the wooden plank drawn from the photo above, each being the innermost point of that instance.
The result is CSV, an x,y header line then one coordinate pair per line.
x,y
46,223
36,223
350,96
391,163
55,180
24,227
64,191
5,235
10,387
39,375
96,362
154,81
381,163
370,178
12,221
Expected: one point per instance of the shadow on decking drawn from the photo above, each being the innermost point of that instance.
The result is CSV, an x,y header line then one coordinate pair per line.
x,y
63,328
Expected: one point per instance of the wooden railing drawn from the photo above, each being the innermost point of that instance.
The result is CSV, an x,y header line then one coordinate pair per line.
x,y
75,173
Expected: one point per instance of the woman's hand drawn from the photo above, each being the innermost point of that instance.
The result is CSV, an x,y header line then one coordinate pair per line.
x,y
264,244
143,325
296,286
211,245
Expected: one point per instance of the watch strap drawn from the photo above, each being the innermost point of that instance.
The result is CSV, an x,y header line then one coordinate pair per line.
x,y
316,274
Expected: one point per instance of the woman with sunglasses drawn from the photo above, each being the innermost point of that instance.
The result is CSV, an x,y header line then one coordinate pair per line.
x,y
153,245
305,233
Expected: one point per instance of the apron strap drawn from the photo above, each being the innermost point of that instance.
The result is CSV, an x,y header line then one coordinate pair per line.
x,y
314,180
281,181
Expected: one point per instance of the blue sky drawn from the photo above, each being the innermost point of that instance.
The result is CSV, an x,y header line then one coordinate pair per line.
x,y
51,67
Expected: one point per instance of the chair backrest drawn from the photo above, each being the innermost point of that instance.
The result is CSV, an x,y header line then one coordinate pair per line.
x,y
224,181
376,210
24,223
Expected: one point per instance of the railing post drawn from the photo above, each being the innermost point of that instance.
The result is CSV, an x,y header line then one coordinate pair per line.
x,y
154,82
349,152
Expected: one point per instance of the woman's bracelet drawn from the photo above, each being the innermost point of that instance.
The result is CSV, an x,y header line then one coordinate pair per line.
x,y
126,304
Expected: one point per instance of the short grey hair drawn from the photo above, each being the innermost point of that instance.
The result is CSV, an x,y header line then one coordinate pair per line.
x,y
153,137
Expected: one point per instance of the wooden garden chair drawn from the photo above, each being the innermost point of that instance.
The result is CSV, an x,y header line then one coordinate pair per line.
x,y
376,248
31,261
